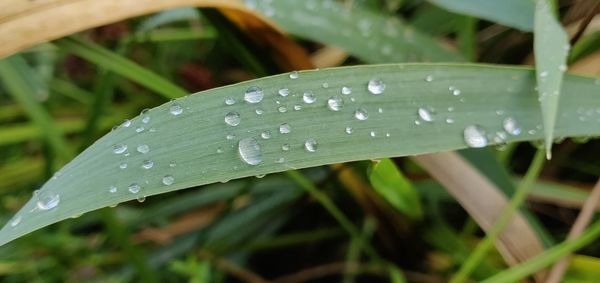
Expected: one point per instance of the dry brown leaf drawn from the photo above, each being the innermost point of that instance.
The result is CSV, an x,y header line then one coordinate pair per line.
x,y
587,66
329,56
484,202
25,23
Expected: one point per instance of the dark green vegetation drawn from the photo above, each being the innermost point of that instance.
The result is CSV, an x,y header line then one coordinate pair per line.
x,y
332,195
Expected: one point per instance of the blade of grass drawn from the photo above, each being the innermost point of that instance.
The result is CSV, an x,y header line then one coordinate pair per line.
x,y
512,13
550,256
392,185
16,77
507,213
120,65
551,46
196,138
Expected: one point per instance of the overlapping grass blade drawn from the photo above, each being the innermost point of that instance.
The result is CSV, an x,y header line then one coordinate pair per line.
x,y
551,46
198,147
512,13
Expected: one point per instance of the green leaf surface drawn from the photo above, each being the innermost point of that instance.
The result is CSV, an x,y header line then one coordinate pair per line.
x,y
390,183
365,34
513,13
551,46
197,147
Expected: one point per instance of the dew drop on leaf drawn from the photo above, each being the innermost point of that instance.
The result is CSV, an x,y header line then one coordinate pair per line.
x,y
168,180
176,109
250,151
147,164
376,86
47,200
294,75
119,148
232,119
253,94
335,103
474,136
134,188
285,128
310,145
112,189
143,148
511,126
309,97
426,113
361,114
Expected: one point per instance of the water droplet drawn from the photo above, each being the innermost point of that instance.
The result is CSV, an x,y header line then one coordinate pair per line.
x,y
139,129
230,137
284,92
309,97
361,114
294,75
123,165
176,109
325,85
47,200
233,119
349,130
259,111
346,90
250,151
280,160
141,199
372,134
146,119
449,121
15,221
475,137
511,126
376,86
297,107
126,123
380,110
335,103
543,74
266,135
112,189
143,148
219,149
387,135
562,67
168,180
281,109
134,188
229,101
429,78
310,145
285,128
260,176
426,113
173,163
119,148
253,94
147,164
285,147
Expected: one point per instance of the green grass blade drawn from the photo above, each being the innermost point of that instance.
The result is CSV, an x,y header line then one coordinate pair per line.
x,y
393,186
512,13
545,259
120,65
551,46
17,77
365,34
205,149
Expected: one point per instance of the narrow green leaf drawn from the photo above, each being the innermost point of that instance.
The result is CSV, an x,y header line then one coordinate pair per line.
x,y
586,45
365,34
552,255
120,65
551,46
390,183
17,77
512,13
205,149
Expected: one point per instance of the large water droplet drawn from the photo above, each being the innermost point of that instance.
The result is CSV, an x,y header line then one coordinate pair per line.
x,y
335,103
475,137
511,126
376,86
361,114
284,92
294,75
134,188
143,148
253,94
426,113
168,180
250,151
47,200
285,128
309,97
310,145
147,164
176,109
232,119
119,148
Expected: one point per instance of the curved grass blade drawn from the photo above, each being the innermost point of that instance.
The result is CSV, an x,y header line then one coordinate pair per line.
x,y
551,46
365,34
389,182
188,142
512,13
